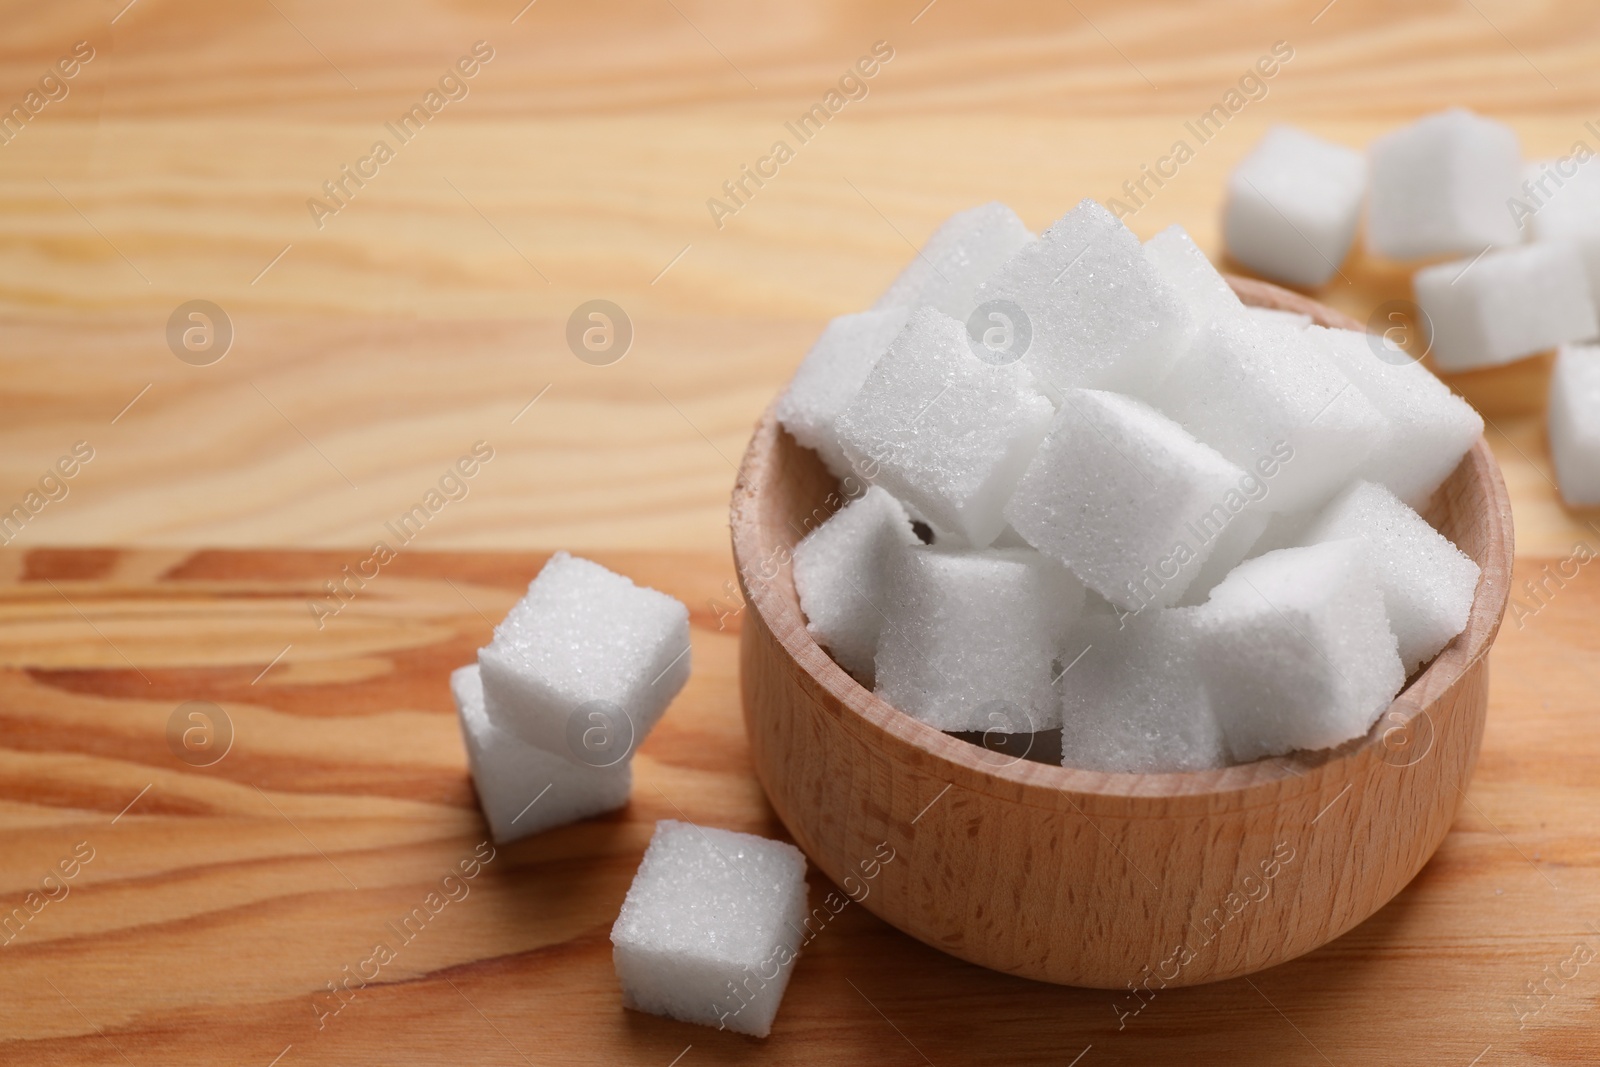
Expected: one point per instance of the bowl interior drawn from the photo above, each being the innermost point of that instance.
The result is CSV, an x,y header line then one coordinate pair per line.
x,y
785,491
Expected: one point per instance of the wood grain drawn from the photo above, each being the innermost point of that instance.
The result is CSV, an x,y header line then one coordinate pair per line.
x,y
216,906
417,322
426,315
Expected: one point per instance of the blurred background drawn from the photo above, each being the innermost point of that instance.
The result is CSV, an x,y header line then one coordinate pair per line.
x,y
422,308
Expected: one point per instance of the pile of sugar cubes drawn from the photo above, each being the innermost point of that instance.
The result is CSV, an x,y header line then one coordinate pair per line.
x,y
1512,250
1092,492
577,674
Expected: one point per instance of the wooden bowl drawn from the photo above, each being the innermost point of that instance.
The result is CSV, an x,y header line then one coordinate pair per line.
x,y
1132,882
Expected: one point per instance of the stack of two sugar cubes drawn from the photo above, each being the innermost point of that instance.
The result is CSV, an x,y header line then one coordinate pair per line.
x,y
578,673
1178,530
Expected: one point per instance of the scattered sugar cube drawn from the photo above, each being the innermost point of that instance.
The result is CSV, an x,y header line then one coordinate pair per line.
x,y
1280,317
1132,703
838,572
1509,304
971,635
943,430
831,375
524,789
1263,396
582,643
1182,265
1574,423
1429,427
1126,498
960,256
1442,185
1561,202
711,927
1427,583
1101,315
1296,650
1292,206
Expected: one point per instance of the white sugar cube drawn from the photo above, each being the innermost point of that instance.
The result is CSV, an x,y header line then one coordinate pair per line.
x,y
831,375
1131,702
1427,583
1285,529
1559,197
1263,396
1560,201
524,789
1101,316
960,256
1296,650
839,572
1292,206
1429,427
1236,543
971,636
1443,185
1126,498
1510,303
1201,286
943,430
711,927
586,658
1574,423
1280,317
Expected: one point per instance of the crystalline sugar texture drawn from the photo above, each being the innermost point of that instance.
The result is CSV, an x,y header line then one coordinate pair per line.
x,y
1562,203
1264,397
1284,530
960,256
711,926
1429,427
943,430
1101,315
524,789
1427,583
1183,266
1293,205
971,635
1296,650
585,658
839,573
1236,543
1441,186
1280,317
1508,304
831,375
1126,498
1574,423
1131,703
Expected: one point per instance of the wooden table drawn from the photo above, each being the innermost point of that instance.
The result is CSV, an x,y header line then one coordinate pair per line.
x,y
429,313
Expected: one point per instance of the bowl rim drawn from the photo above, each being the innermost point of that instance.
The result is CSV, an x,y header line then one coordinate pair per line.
x,y
972,767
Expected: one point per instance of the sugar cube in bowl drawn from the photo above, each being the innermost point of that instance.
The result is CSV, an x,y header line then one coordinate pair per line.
x,y
1121,881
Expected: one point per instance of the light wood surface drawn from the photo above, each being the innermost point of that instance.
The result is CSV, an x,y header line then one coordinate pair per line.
x,y
419,321
1045,871
217,903
425,315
